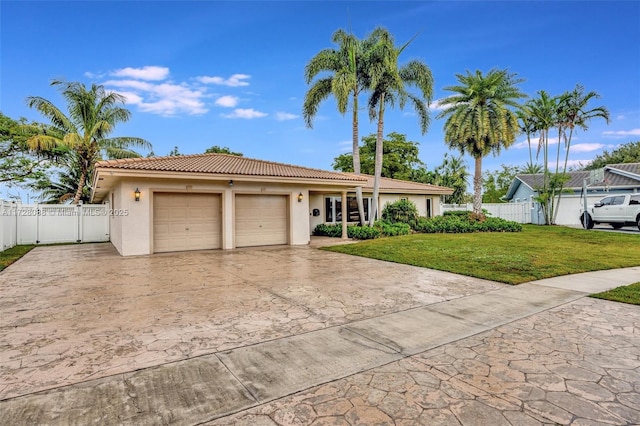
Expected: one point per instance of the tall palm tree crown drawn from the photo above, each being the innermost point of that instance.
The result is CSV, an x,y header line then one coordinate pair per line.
x,y
92,116
481,118
388,84
346,78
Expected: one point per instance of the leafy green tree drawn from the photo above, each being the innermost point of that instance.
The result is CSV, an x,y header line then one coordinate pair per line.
x,y
452,173
400,159
627,153
496,183
17,165
221,150
481,118
389,83
175,152
345,79
92,116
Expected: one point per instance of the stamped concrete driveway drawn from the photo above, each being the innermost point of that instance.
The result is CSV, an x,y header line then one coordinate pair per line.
x,y
69,314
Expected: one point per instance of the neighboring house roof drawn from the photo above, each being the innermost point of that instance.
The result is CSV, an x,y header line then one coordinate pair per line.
x,y
388,185
615,176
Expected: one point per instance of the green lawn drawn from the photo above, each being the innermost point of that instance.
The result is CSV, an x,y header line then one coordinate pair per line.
x,y
625,294
515,257
9,256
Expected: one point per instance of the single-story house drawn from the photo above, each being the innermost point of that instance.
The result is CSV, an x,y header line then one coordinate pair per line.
x,y
210,201
612,179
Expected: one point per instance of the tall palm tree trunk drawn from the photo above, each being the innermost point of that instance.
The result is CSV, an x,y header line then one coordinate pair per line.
x,y
477,186
378,165
564,171
81,183
356,159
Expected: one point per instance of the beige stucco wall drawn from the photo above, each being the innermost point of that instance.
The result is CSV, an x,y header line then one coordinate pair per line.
x,y
419,200
135,230
115,222
317,201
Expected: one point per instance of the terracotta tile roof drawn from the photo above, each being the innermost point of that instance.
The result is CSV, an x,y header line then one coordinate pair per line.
x,y
387,185
224,164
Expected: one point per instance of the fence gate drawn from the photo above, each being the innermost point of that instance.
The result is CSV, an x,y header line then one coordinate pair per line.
x,y
49,223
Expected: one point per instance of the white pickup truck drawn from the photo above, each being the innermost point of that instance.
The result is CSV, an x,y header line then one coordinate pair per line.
x,y
616,210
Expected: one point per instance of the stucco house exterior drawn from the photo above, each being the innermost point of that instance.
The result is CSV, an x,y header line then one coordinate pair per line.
x,y
219,201
612,179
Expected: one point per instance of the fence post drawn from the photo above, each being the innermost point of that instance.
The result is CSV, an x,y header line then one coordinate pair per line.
x,y
79,222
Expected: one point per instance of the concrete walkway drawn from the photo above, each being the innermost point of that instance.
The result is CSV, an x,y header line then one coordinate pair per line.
x,y
212,386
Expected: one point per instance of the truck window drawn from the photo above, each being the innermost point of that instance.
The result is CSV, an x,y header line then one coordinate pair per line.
x,y
618,201
635,199
606,201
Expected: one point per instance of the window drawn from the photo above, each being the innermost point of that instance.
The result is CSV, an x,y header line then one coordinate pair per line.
x,y
606,201
429,211
333,209
635,199
618,201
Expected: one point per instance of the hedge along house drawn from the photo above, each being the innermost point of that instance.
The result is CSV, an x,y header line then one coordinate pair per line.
x,y
219,201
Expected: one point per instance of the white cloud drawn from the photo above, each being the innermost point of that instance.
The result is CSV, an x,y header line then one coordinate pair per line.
x,y
345,146
151,73
570,163
621,133
165,98
236,80
620,117
587,147
227,101
248,114
283,116
436,106
534,143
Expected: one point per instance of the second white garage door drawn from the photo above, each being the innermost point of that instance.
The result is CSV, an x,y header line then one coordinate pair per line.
x,y
186,222
261,220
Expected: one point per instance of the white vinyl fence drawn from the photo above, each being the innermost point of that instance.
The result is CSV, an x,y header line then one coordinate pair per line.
x,y
516,212
49,223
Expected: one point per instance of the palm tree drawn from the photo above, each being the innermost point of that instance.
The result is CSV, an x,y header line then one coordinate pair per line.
x,y
527,126
65,189
481,118
92,116
388,83
453,173
346,80
573,113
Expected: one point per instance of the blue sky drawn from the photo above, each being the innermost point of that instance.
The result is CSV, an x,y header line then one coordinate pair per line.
x,y
205,73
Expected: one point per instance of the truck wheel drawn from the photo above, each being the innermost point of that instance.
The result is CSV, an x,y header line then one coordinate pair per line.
x,y
617,225
638,221
587,222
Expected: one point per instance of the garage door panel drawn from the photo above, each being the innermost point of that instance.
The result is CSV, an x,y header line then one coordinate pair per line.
x,y
261,220
186,222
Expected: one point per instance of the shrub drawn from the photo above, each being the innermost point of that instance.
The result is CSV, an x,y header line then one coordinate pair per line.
x,y
328,230
392,229
363,232
401,211
353,231
457,223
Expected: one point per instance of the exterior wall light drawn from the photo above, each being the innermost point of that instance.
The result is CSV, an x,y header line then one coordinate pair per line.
x,y
300,196
137,194
231,183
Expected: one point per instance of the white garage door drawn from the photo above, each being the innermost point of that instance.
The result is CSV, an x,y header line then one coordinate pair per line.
x,y
186,222
261,220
